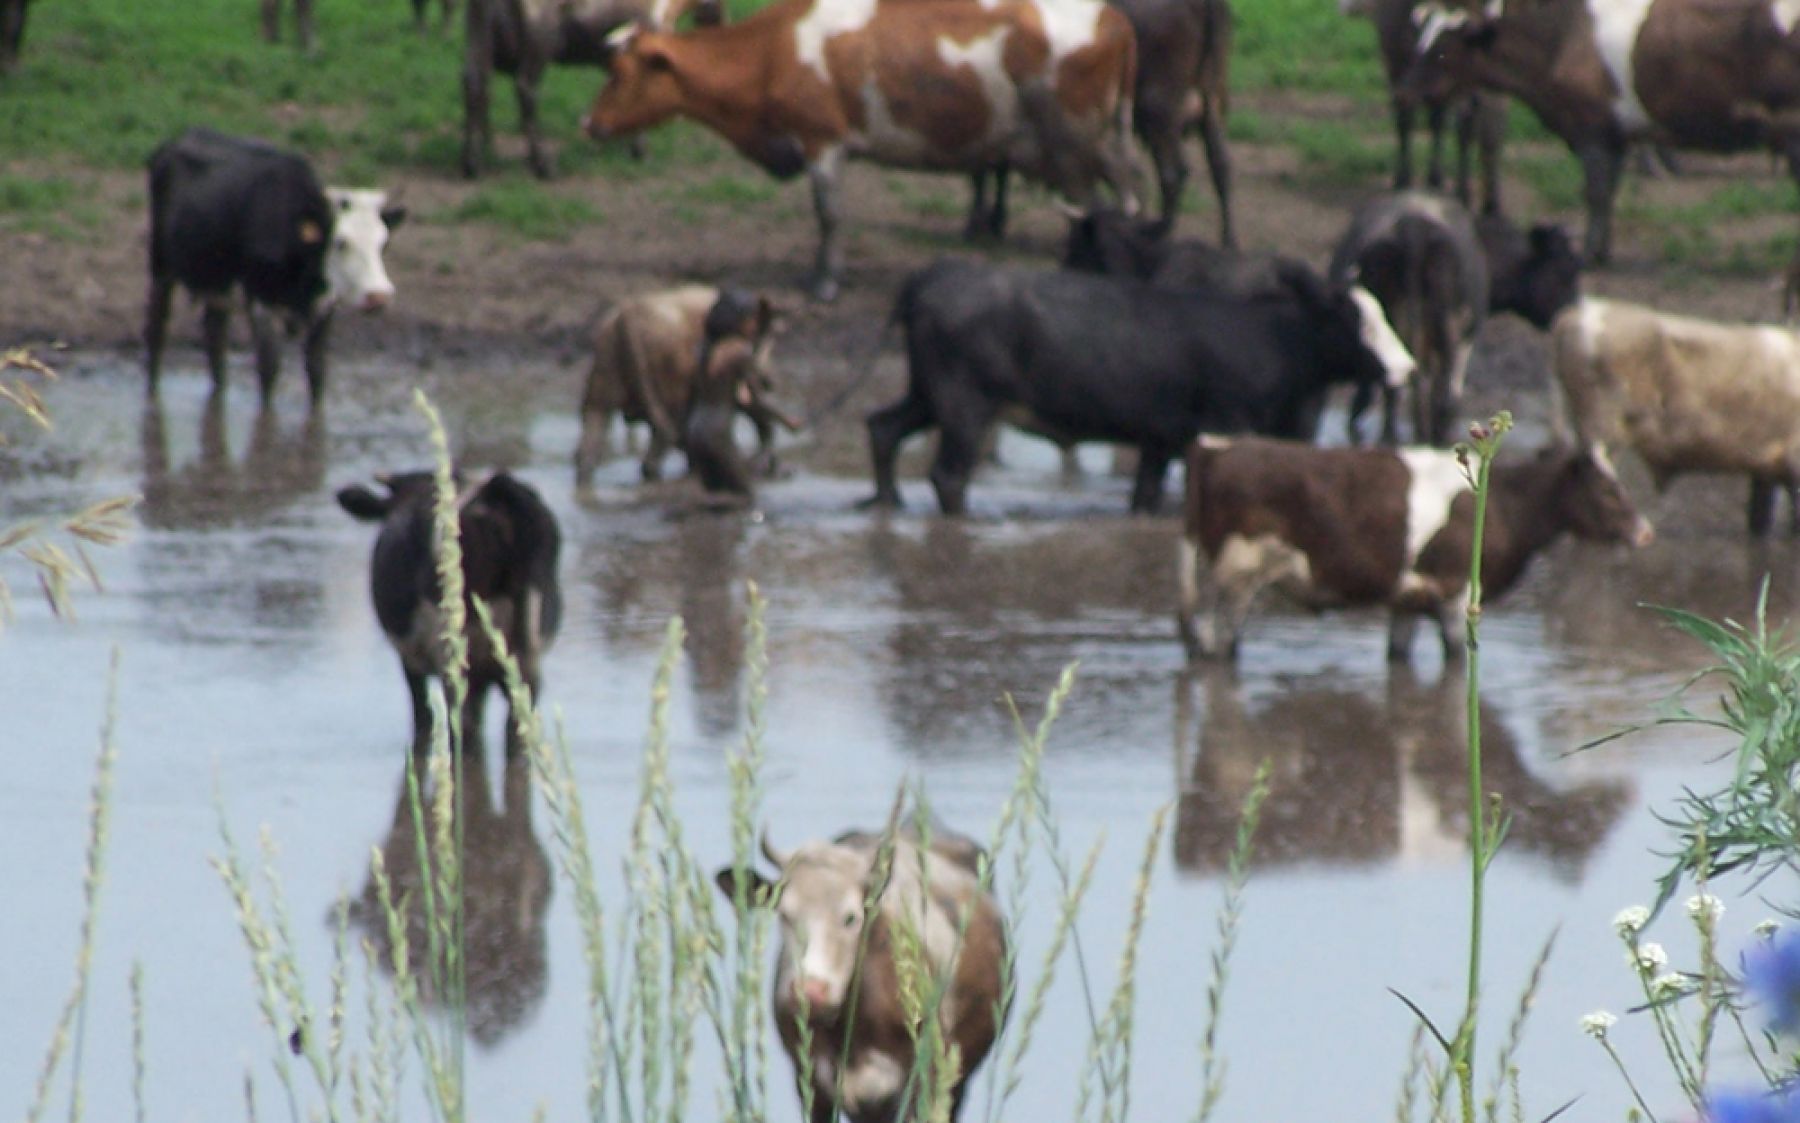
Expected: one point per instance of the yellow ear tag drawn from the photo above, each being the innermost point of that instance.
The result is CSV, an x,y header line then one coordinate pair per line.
x,y
310,234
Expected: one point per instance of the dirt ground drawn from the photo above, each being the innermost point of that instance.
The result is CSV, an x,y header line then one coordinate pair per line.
x,y
471,290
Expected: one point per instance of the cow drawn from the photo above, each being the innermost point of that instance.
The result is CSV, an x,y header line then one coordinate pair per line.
x,y
1108,241
510,542
1480,117
1533,274
1347,527
941,85
645,356
227,212
840,984
1084,358
1418,252
522,38
1183,78
12,33
1718,75
734,353
1687,395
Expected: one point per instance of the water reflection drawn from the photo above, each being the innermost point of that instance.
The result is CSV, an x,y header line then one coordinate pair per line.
x,y
506,880
1358,778
214,490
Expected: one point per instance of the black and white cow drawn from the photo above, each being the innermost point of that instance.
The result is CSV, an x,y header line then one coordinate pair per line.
x,y
510,543
1418,252
228,212
1077,358
1343,527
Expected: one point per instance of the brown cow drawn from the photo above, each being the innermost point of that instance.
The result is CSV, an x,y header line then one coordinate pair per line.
x,y
1687,395
1347,527
1718,75
524,37
819,898
939,85
646,350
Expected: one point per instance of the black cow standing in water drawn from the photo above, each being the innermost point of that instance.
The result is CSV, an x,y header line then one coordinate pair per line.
x,y
510,543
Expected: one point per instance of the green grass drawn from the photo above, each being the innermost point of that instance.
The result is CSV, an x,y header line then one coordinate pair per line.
x,y
1333,155
1305,45
729,189
56,206
524,208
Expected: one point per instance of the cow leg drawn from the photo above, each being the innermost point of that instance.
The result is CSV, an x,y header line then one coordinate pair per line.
x,y
1434,125
1218,165
478,66
1489,116
1762,506
525,85
1147,490
271,20
1161,133
651,467
823,172
764,462
318,336
887,428
596,424
1402,626
421,710
1465,148
1196,614
1600,163
12,33
267,336
959,450
1403,129
213,324
1390,412
976,228
156,328
303,23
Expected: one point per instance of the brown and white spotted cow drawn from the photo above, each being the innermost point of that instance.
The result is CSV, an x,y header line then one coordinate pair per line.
x,y
843,984
937,85
1345,527
1717,75
1687,395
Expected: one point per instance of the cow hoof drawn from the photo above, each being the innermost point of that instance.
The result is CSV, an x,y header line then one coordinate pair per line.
x,y
879,502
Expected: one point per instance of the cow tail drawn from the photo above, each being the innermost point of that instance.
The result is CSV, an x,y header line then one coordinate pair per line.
x,y
902,312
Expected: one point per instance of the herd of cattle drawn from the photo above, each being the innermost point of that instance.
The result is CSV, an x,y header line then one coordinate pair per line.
x,y
1179,349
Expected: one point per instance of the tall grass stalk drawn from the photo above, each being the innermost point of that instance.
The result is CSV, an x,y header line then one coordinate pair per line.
x,y
70,1033
137,1040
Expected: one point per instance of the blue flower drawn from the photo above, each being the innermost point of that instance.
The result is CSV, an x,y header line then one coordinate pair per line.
x,y
1772,974
1779,1105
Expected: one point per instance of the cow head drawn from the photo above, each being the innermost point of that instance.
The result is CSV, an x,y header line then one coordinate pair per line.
x,y
355,276
1109,241
1450,37
821,900
1549,280
1593,501
642,91
1380,355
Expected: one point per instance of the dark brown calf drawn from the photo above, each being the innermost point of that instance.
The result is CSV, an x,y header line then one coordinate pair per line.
x,y
1348,527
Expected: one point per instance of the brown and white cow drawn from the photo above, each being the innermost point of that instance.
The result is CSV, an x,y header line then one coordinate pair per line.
x,y
523,38
1344,527
820,899
1688,395
646,355
937,85
1718,75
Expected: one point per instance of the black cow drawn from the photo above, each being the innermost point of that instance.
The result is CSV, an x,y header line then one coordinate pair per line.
x,y
1089,358
1535,273
227,212
1419,254
12,33
510,542
1109,241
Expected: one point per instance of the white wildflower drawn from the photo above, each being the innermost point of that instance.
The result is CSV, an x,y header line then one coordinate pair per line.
x,y
1648,957
1631,921
1670,984
1705,909
1767,928
1597,1023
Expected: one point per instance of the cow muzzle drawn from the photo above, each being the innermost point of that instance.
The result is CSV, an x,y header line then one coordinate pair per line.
x,y
594,130
1642,533
375,301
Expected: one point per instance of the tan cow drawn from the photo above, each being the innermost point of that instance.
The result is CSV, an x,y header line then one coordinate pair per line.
x,y
936,86
646,351
932,897
1688,395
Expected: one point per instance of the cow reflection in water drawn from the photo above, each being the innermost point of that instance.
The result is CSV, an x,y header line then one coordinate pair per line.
x,y
1361,779
506,889
280,465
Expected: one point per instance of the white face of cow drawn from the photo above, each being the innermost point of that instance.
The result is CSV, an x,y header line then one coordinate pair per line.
x,y
354,274
1378,336
821,910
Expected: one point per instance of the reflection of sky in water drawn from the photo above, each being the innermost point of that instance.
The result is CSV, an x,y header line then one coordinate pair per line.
x,y
251,661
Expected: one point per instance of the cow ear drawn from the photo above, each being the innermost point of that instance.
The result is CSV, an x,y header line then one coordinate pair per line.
x,y
363,503
392,217
759,891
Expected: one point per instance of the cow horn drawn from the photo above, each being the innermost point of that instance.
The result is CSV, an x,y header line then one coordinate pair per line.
x,y
775,857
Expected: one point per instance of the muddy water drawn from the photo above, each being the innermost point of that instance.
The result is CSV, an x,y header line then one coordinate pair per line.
x,y
252,672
